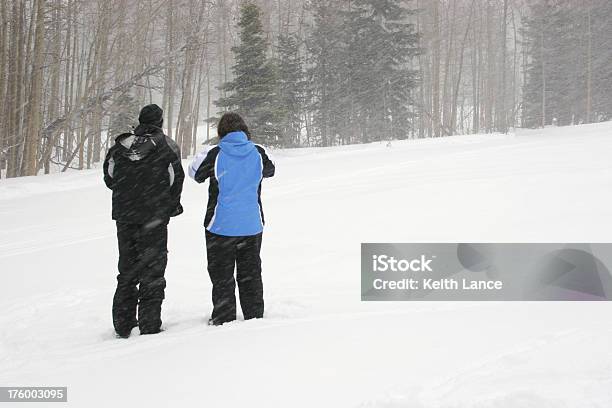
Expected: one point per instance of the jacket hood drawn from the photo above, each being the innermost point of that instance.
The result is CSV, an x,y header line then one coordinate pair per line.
x,y
147,129
145,140
236,144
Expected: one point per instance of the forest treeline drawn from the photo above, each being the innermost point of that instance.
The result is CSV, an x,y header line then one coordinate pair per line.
x,y
73,73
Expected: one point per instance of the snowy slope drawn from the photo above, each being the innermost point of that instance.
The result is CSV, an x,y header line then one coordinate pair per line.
x,y
319,346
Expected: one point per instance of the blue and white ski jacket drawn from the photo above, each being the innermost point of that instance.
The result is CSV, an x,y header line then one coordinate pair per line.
x,y
235,167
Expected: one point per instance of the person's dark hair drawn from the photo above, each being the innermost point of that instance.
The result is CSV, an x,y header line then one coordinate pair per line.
x,y
231,122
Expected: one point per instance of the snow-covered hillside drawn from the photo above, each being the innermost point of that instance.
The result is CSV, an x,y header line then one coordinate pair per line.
x,y
319,345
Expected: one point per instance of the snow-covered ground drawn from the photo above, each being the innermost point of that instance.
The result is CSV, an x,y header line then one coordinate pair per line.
x,y
319,345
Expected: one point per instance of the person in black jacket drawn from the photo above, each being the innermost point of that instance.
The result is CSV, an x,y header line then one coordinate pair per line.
x,y
234,218
144,171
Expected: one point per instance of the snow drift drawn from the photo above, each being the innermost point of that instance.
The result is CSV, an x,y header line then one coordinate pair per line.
x,y
319,345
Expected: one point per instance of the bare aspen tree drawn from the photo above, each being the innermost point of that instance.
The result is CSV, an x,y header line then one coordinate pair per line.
x,y
491,68
203,72
589,63
453,122
476,71
71,48
170,69
208,90
14,92
543,75
34,119
102,62
450,23
435,69
53,102
4,19
501,114
420,63
515,61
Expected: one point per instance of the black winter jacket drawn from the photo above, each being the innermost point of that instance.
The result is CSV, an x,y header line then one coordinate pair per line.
x,y
144,172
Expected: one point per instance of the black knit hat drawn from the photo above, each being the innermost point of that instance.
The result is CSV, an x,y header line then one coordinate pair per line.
x,y
151,115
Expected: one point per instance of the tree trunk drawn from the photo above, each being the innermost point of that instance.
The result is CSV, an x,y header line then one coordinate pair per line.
x,y
543,76
502,114
34,121
436,70
589,92
453,120
3,72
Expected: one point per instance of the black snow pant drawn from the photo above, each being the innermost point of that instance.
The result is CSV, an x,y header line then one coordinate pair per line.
x,y
143,255
223,254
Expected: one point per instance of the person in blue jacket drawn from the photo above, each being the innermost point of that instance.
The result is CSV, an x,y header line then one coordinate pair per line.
x,y
234,218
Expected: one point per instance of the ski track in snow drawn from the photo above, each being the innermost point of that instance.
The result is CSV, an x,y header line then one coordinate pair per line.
x,y
319,345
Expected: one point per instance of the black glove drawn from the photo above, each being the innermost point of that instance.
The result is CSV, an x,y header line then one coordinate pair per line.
x,y
177,211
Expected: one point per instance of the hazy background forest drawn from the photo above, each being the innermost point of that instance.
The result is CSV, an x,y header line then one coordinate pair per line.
x,y
74,73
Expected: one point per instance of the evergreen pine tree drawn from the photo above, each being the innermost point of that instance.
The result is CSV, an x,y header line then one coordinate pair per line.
x,y
327,73
556,42
383,44
252,92
601,55
290,88
536,36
